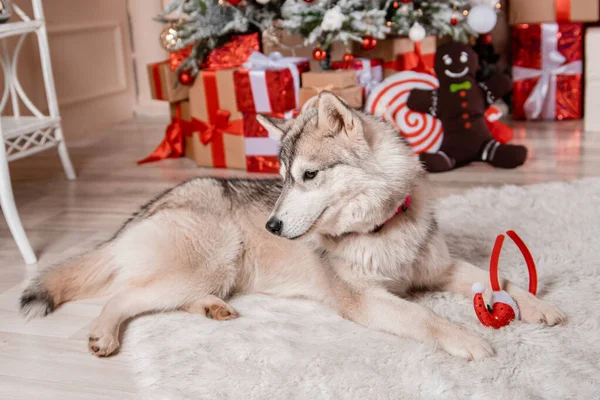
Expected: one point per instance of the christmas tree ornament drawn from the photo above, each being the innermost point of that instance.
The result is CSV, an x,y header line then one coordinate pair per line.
x,y
263,2
417,32
460,103
169,37
186,78
388,100
395,5
487,39
270,37
319,54
234,2
368,43
482,18
405,1
348,57
308,1
453,20
503,309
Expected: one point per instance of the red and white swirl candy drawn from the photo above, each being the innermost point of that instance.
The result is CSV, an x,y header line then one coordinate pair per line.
x,y
388,100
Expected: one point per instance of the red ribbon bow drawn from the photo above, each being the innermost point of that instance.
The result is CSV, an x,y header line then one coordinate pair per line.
x,y
206,132
172,144
412,61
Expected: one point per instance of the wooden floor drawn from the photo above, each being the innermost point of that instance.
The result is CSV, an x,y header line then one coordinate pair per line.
x,y
48,358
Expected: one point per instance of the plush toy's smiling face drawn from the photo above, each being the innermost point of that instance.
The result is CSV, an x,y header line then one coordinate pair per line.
x,y
455,62
463,59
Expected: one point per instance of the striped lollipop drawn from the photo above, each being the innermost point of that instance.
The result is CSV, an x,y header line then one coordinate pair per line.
x,y
388,100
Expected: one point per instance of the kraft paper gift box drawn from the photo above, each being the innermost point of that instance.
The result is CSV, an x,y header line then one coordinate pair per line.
x,y
340,82
369,72
164,84
540,11
293,46
217,138
400,53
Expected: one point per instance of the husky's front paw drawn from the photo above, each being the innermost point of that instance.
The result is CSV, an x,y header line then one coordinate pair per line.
x,y
460,343
536,311
103,344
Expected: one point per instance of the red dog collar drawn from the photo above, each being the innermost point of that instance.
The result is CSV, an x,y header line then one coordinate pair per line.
x,y
401,208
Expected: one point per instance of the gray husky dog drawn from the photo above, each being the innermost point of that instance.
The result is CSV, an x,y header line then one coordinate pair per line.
x,y
339,230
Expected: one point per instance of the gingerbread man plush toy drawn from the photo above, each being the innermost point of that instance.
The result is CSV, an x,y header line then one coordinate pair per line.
x,y
460,103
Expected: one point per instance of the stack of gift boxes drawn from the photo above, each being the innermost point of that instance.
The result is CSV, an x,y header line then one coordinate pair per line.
x,y
213,121
352,78
547,52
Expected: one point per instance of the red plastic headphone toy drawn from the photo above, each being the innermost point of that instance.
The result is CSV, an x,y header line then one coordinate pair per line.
x,y
503,308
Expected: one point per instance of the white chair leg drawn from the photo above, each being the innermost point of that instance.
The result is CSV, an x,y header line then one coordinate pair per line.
x,y
63,153
7,201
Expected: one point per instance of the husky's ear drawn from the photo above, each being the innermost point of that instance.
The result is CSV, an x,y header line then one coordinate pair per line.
x,y
275,126
335,113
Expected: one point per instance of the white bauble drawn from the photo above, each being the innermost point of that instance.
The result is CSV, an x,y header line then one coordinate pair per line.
x,y
482,18
416,32
263,2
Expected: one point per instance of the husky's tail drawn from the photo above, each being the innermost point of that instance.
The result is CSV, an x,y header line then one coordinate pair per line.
x,y
81,277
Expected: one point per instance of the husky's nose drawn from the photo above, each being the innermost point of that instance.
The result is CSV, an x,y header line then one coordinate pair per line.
x,y
274,225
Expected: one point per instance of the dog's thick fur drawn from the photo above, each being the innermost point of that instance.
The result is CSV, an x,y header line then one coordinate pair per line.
x,y
203,241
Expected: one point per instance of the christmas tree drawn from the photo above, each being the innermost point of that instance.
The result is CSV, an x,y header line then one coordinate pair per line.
x,y
202,25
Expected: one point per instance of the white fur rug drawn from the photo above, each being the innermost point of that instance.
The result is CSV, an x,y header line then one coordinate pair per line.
x,y
295,349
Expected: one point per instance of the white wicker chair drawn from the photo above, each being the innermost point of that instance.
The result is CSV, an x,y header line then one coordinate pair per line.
x,y
26,135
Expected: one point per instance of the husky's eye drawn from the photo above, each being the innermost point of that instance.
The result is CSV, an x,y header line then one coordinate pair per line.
x,y
447,59
464,57
308,175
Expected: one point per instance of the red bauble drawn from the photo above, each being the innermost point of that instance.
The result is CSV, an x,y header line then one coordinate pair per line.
x,y
319,54
234,2
348,57
486,39
453,20
308,1
405,1
369,43
185,78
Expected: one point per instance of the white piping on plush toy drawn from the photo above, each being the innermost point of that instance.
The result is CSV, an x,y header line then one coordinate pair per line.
x,y
457,74
484,155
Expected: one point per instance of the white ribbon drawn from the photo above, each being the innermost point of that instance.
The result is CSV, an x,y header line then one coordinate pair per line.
x,y
258,64
265,146
542,99
369,76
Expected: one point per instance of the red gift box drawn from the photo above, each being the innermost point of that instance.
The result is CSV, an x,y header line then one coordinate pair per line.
x,y
262,148
369,72
547,71
269,84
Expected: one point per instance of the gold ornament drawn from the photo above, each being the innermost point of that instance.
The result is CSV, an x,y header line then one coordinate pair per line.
x,y
270,36
169,37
